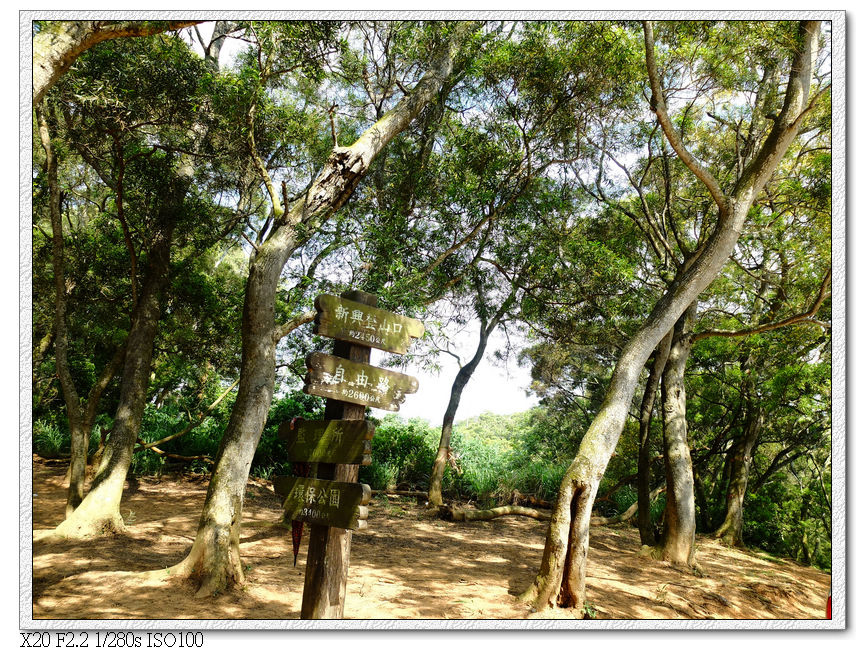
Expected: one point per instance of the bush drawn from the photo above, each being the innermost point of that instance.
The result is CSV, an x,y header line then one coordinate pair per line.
x,y
402,454
538,478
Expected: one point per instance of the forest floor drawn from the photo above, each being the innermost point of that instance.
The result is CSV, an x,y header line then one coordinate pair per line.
x,y
406,565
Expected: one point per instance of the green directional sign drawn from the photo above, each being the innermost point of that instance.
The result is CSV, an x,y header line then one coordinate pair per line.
x,y
327,503
355,322
329,441
358,383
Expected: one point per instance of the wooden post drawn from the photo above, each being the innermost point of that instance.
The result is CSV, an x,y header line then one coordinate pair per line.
x,y
327,559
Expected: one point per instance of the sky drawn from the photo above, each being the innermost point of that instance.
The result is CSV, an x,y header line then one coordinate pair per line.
x,y
498,388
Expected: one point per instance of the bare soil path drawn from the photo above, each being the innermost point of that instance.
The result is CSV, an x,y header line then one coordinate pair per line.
x,y
406,565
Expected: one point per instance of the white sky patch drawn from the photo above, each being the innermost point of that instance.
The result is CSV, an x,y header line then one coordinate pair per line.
x,y
500,390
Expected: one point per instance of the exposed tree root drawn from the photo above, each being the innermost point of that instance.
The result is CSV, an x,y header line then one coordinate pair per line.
x,y
212,572
449,513
79,527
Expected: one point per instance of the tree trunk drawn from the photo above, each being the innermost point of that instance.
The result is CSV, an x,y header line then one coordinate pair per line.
x,y
739,459
702,504
680,520
644,459
214,560
59,43
562,576
460,381
99,512
77,435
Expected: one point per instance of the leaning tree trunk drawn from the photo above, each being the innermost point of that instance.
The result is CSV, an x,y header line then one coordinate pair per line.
x,y
561,579
214,559
80,422
460,381
680,521
99,512
644,458
441,459
739,459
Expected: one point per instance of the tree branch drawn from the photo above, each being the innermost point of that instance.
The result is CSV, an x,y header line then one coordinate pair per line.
x,y
659,107
804,317
286,328
187,429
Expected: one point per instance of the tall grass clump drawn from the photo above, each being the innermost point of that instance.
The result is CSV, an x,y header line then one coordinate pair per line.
x,y
49,439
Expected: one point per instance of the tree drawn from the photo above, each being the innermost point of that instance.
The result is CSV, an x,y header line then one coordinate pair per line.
x,y
80,422
133,131
215,555
561,579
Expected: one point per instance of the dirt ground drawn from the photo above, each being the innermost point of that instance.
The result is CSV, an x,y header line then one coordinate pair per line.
x,y
405,565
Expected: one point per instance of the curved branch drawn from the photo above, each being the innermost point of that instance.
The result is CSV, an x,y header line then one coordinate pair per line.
x,y
804,317
659,107
55,50
286,328
187,429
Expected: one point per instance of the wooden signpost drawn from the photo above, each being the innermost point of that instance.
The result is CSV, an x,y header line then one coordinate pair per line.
x,y
332,501
358,322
